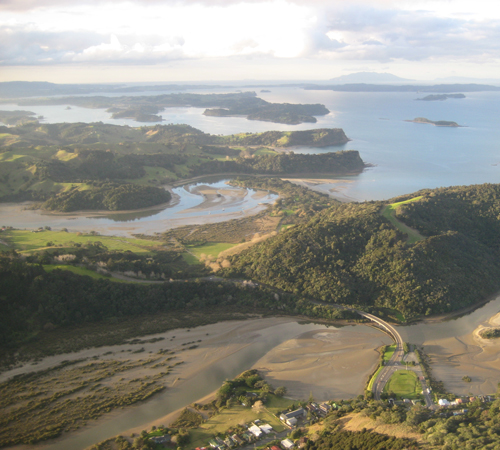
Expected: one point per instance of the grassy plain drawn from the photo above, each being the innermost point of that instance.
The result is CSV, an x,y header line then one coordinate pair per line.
x,y
27,241
389,213
229,418
405,384
209,249
82,271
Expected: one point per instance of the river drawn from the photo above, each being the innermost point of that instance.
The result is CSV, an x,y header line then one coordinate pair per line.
x,y
190,205
329,361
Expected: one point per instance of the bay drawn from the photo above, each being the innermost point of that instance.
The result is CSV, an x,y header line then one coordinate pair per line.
x,y
405,156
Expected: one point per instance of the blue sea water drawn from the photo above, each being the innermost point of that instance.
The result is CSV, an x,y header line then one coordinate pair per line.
x,y
405,156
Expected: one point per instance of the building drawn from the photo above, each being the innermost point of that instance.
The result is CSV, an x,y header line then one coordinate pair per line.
x,y
256,431
287,444
266,428
295,415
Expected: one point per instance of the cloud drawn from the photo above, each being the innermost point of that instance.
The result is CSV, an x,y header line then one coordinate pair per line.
x,y
28,46
155,31
385,35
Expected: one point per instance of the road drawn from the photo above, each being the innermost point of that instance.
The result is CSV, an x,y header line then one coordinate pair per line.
x,y
395,362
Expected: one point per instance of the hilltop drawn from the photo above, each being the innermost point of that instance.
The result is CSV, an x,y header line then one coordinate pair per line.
x,y
352,254
108,167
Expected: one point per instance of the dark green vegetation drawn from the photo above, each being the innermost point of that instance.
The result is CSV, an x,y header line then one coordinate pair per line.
x,y
351,254
97,166
360,440
108,196
440,97
437,123
490,333
146,108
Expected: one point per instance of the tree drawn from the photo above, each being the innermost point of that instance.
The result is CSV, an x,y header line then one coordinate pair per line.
x,y
280,391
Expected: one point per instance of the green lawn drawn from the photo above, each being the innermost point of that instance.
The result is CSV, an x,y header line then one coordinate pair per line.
x,y
26,241
81,271
210,248
372,379
265,151
228,418
389,352
275,403
405,384
389,213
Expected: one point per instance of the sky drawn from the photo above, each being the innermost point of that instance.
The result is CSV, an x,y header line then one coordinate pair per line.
x,y
214,40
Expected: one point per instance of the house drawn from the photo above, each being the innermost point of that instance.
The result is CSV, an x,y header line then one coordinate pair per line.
x,y
213,444
256,431
292,421
237,439
287,444
325,408
266,428
443,402
249,437
229,442
160,439
297,414
275,447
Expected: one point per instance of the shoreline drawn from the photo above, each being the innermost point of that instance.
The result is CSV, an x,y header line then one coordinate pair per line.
x,y
231,347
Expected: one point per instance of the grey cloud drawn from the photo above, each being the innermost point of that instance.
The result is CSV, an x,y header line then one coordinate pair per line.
x,y
383,35
24,45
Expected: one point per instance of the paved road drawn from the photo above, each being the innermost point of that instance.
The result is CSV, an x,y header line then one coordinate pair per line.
x,y
395,362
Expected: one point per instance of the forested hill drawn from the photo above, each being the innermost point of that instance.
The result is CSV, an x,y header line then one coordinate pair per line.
x,y
351,254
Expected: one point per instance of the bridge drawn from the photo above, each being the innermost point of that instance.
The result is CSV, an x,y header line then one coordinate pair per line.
x,y
394,363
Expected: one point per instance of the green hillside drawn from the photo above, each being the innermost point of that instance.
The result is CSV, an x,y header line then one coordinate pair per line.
x,y
352,254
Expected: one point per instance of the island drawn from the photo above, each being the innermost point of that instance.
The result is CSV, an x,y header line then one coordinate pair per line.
x,y
440,97
146,108
437,123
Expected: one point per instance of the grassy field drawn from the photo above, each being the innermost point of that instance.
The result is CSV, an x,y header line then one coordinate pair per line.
x,y
26,241
228,418
209,249
389,213
405,384
389,352
82,271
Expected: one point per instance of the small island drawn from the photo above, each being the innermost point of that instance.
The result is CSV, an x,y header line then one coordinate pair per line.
x,y
440,97
265,90
437,123
490,333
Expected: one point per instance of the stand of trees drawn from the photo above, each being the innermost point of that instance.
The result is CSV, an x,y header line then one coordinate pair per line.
x,y
350,254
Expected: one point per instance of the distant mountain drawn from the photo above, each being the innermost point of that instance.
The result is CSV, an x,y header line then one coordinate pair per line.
x,y
369,77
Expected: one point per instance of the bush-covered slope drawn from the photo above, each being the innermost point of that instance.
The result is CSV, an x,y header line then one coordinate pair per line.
x,y
108,197
351,254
